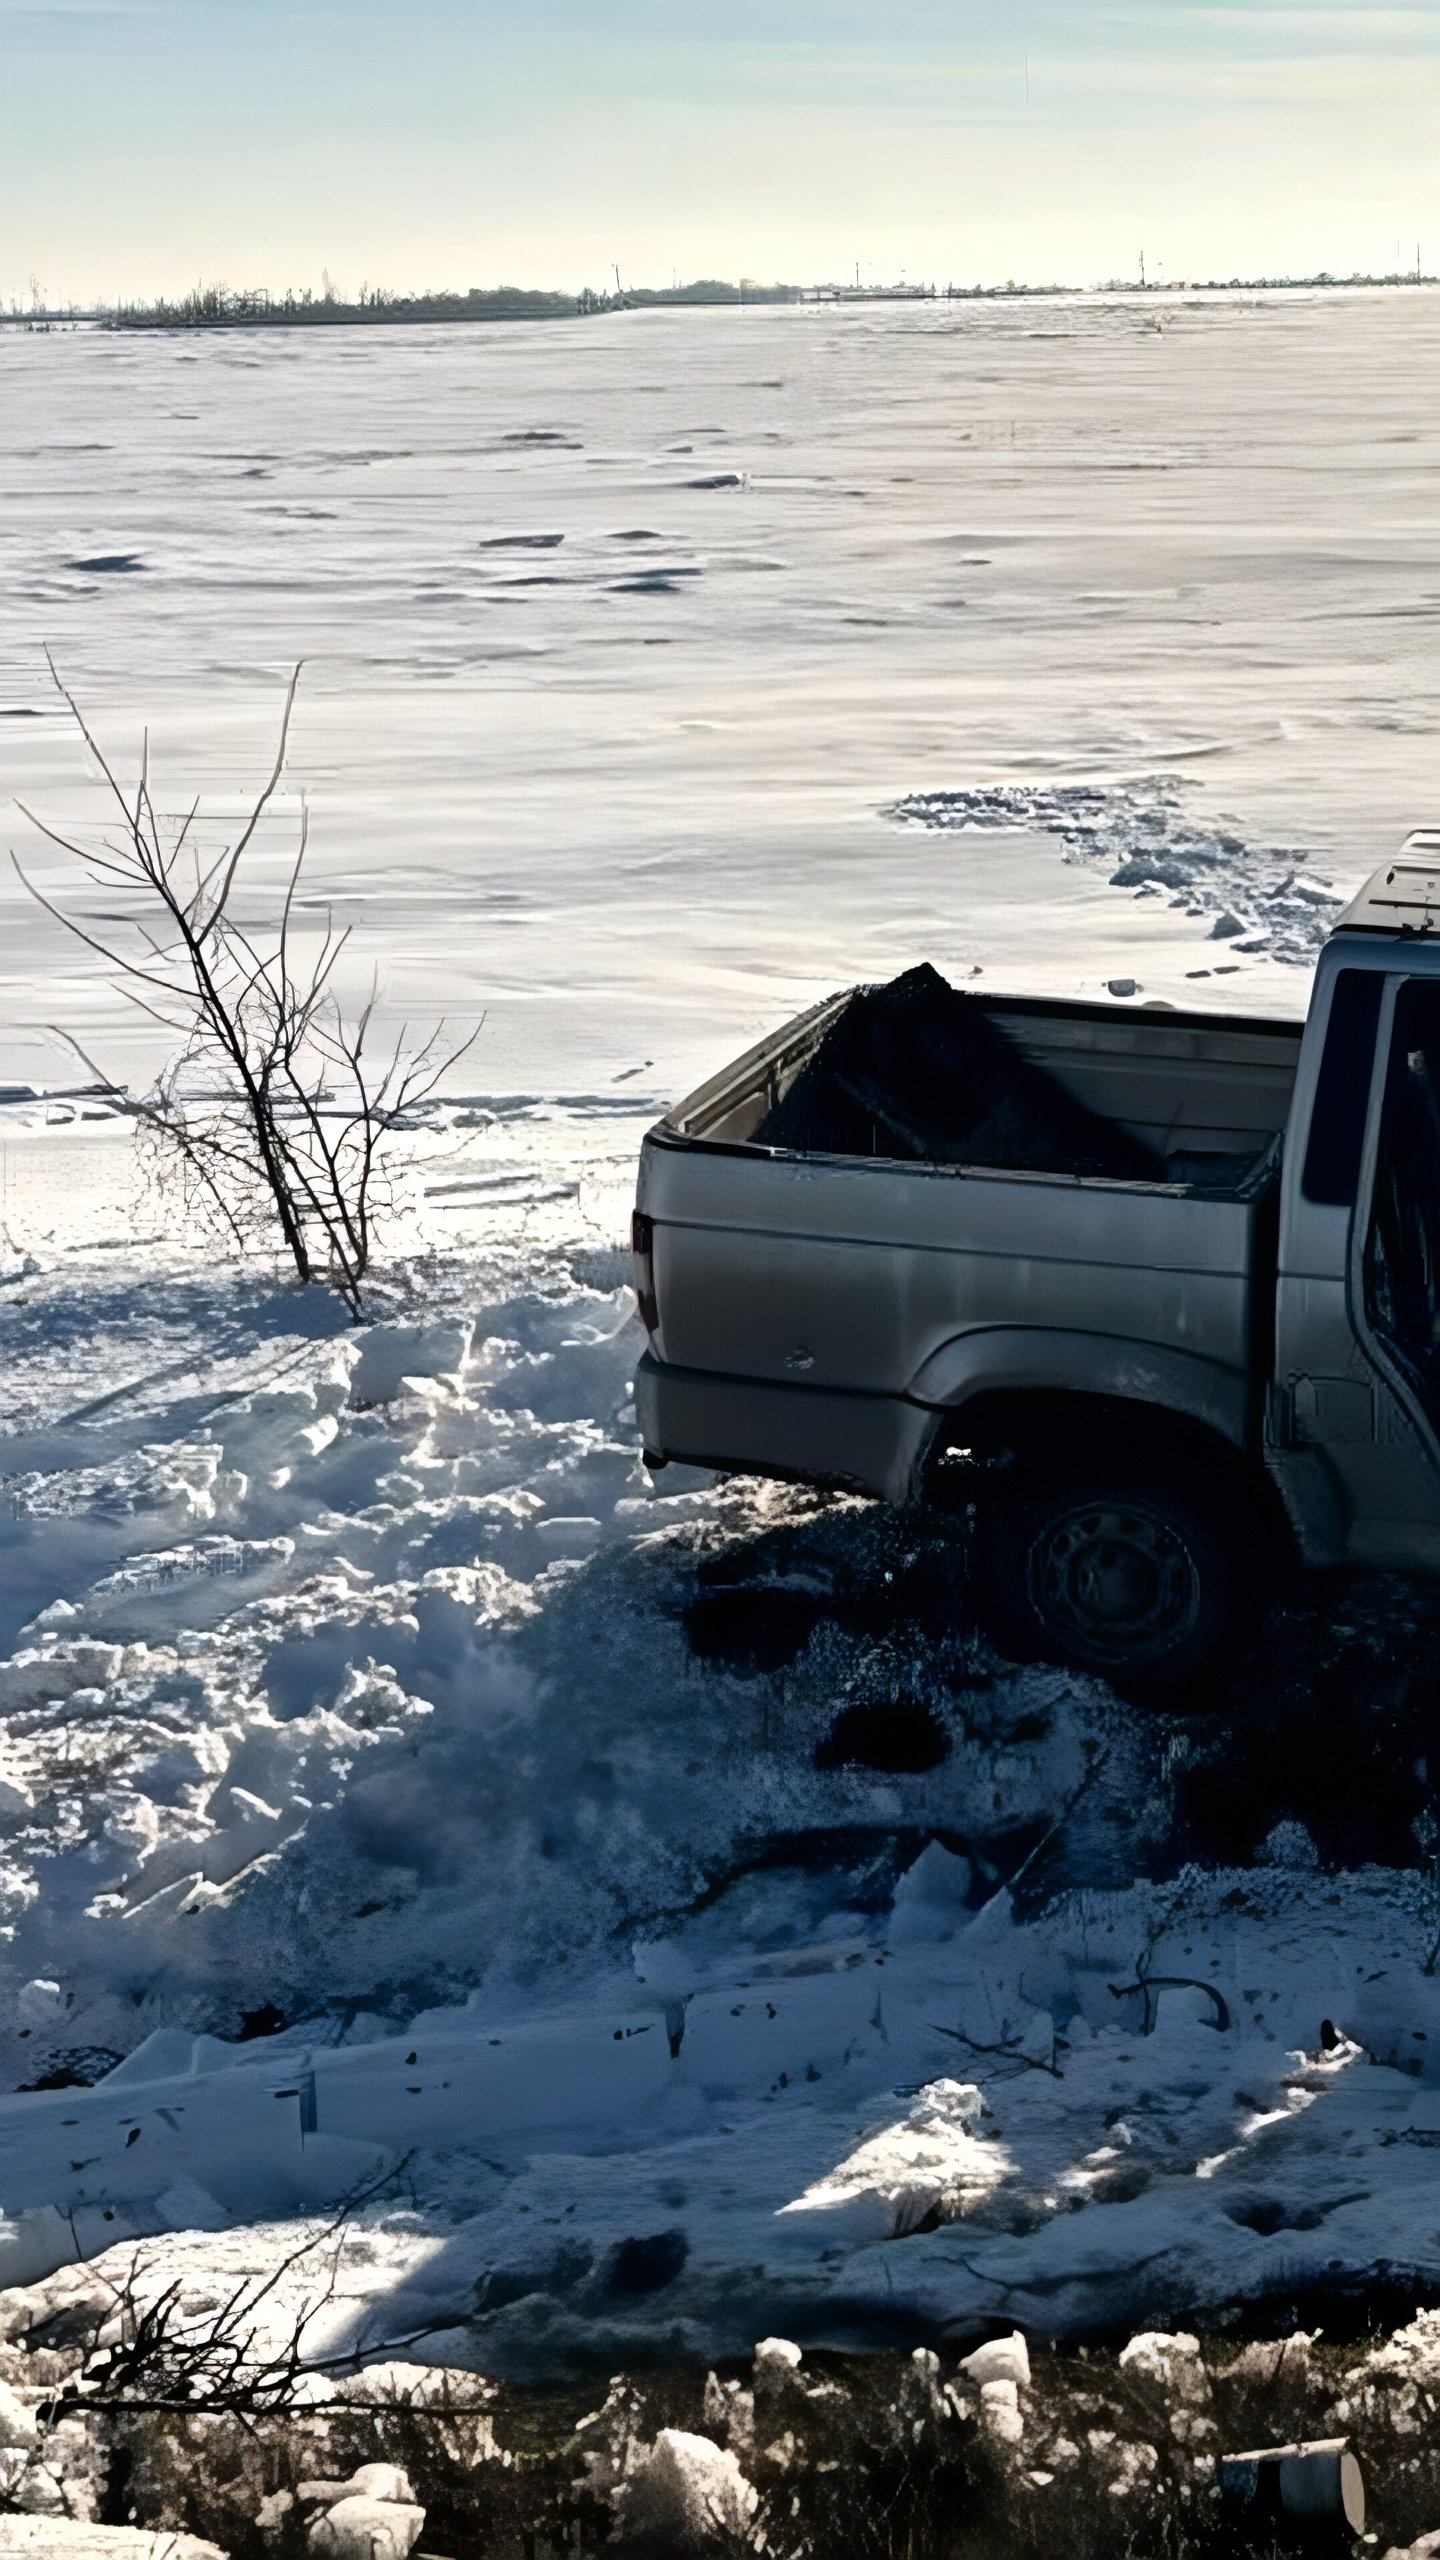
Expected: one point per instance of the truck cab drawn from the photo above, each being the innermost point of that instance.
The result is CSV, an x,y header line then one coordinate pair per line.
x,y
1351,1422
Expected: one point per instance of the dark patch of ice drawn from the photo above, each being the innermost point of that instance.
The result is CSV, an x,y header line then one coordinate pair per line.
x,y
266,2020
648,2265
110,564
654,582
1355,1666
718,480
78,2067
522,542
901,1736
752,1630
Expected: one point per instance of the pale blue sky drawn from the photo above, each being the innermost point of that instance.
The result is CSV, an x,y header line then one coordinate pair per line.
x,y
144,143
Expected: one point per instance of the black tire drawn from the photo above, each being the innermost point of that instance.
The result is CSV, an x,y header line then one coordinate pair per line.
x,y
1120,1567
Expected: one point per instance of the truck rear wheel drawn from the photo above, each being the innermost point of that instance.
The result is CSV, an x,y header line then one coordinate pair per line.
x,y
1116,1568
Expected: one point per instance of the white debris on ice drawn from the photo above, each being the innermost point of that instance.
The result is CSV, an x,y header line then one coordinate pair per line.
x,y
999,2360
358,2526
685,2494
1000,2412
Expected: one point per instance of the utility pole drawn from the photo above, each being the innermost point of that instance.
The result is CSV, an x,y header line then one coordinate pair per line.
x,y
1142,270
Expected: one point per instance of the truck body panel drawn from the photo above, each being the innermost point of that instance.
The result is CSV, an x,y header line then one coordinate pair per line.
x,y
832,1315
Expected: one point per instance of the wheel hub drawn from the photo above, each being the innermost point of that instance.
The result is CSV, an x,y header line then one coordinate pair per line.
x,y
1116,1577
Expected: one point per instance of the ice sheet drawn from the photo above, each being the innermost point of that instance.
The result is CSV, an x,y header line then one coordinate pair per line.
x,y
623,792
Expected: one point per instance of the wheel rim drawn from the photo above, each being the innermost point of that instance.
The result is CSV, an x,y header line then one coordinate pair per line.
x,y
1114,1578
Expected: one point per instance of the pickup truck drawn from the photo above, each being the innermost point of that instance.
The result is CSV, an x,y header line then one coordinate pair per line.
x,y
1145,1336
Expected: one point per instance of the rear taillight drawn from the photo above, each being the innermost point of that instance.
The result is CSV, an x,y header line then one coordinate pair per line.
x,y
642,1246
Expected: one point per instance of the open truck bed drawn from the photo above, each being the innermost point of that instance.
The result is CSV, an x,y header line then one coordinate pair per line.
x,y
816,1311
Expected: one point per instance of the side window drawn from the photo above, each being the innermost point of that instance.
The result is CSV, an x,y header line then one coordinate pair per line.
x,y
1342,1094
1402,1248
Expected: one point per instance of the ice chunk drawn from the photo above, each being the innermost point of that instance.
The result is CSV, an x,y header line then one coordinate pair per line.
x,y
1000,2412
928,2166
358,2528
40,2003
686,2492
383,2480
1000,2360
166,2053
1172,2364
392,1353
38,1677
15,1798
931,1899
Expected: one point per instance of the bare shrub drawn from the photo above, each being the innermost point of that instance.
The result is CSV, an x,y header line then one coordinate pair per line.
x,y
856,2457
273,1109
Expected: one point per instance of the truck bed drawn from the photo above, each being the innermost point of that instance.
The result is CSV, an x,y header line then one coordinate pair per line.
x,y
816,1302
1207,1095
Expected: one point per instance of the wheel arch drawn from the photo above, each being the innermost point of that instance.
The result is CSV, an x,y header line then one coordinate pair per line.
x,y
998,1426
1043,1362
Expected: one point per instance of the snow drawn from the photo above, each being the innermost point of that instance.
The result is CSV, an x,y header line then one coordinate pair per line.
x,y
684,2494
60,2538
1000,2360
402,1795
1000,2414
364,2526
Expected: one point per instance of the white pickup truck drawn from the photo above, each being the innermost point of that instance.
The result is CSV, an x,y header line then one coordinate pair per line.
x,y
1144,1300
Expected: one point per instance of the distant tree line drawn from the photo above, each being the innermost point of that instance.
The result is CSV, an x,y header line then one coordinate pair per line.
x,y
1261,284
221,306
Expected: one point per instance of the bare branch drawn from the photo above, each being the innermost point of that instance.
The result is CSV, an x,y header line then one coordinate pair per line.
x,y
258,810
278,1107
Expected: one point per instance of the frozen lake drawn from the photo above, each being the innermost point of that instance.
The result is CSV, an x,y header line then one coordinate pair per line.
x,y
670,1863
621,637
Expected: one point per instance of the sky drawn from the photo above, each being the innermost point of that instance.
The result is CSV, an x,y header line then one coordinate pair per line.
x,y
147,144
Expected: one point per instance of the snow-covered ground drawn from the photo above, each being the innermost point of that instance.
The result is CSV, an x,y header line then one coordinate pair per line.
x,y
660,1879
658,1886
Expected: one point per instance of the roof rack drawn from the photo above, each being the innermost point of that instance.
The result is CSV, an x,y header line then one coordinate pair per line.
x,y
1404,895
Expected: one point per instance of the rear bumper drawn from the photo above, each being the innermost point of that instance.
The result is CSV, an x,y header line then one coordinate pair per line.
x,y
811,1435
